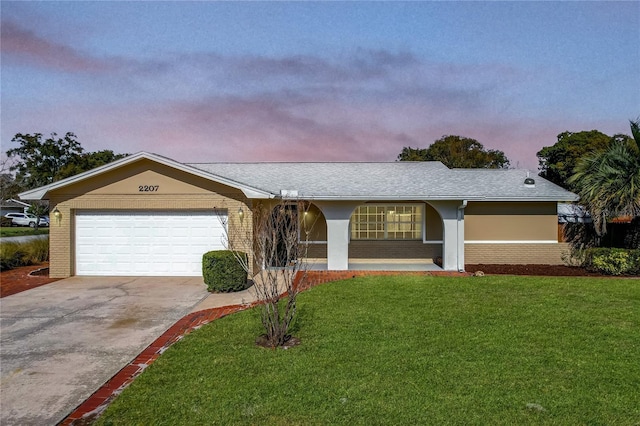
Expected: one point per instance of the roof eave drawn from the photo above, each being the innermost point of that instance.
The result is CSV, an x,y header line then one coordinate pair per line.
x,y
43,191
429,198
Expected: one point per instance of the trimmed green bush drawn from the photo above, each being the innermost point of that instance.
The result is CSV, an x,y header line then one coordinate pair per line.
x,y
613,261
15,255
222,272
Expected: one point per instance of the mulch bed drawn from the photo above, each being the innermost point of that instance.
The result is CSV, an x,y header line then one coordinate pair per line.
x,y
18,279
541,270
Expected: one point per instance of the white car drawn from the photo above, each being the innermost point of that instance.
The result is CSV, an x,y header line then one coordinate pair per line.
x,y
25,219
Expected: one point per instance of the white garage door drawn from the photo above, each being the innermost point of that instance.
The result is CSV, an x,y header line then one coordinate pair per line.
x,y
146,243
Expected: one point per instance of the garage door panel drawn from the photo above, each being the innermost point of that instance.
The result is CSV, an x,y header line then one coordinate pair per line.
x,y
135,243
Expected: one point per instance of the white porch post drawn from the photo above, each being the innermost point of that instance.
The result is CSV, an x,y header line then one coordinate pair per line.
x,y
337,215
452,214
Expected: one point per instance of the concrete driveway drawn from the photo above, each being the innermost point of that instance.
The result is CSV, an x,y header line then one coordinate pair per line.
x,y
59,343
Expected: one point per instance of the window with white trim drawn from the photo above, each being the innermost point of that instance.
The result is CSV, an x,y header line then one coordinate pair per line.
x,y
387,222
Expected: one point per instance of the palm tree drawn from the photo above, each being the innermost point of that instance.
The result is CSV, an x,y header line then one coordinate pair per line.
x,y
609,182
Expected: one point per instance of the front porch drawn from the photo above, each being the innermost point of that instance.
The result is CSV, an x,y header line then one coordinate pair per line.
x,y
398,236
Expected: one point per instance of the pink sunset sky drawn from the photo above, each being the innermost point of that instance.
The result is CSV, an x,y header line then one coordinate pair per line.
x,y
245,81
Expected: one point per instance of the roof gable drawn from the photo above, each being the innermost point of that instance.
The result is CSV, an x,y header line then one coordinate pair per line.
x,y
42,192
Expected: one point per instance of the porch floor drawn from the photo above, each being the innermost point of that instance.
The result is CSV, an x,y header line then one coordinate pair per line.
x,y
379,265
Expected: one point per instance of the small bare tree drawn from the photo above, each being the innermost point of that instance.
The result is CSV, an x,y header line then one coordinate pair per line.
x,y
276,237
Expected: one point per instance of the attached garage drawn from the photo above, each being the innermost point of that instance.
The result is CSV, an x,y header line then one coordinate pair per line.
x,y
146,243
143,215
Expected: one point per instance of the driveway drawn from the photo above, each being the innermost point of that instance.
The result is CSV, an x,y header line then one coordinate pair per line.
x,y
59,343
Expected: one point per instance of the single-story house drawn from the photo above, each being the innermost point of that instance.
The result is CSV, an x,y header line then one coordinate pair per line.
x,y
149,215
13,206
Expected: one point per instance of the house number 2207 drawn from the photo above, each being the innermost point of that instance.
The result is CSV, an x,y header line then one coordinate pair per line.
x,y
148,188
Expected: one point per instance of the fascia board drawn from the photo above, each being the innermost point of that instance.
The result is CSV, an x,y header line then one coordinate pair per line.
x,y
17,202
42,192
430,198
33,194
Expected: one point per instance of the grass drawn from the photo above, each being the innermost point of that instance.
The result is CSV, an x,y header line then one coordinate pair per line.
x,y
411,350
22,231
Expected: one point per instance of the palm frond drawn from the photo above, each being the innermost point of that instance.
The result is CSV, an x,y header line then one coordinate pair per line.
x,y
635,131
609,184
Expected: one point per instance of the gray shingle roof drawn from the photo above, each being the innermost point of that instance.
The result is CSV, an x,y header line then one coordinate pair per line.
x,y
383,181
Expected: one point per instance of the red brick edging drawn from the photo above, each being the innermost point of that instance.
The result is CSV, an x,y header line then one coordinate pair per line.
x,y
90,409
96,403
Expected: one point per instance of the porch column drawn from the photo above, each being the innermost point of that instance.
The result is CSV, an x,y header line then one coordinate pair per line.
x,y
452,214
337,215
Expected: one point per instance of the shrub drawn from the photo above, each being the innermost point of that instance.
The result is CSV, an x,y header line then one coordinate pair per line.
x,y
37,250
11,256
613,261
15,255
222,272
6,222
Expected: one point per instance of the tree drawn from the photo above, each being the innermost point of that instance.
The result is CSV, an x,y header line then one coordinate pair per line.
x,y
39,161
88,161
412,154
457,152
557,162
277,241
608,182
9,186
38,209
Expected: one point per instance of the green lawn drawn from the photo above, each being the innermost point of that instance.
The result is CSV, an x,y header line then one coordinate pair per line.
x,y
411,351
20,231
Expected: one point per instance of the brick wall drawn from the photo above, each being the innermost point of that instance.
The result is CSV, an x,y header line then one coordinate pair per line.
x,y
523,254
317,251
386,249
62,262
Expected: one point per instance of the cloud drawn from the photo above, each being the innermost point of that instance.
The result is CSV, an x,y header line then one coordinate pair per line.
x,y
26,47
361,105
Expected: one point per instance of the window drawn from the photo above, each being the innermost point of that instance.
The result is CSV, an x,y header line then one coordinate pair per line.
x,y
387,222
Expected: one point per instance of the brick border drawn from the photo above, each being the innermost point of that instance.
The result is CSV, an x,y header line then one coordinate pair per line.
x,y
87,412
90,409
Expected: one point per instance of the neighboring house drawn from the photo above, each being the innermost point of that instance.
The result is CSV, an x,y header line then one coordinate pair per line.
x,y
572,213
149,215
13,206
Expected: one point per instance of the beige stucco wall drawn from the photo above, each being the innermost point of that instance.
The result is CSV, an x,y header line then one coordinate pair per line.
x,y
119,190
433,226
515,221
512,233
316,223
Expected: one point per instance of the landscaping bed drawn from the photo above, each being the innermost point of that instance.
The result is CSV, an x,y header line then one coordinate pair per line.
x,y
538,270
21,279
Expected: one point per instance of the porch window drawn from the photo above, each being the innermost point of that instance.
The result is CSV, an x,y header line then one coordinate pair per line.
x,y
387,222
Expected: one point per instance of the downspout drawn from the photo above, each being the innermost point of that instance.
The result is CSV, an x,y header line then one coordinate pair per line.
x,y
459,224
